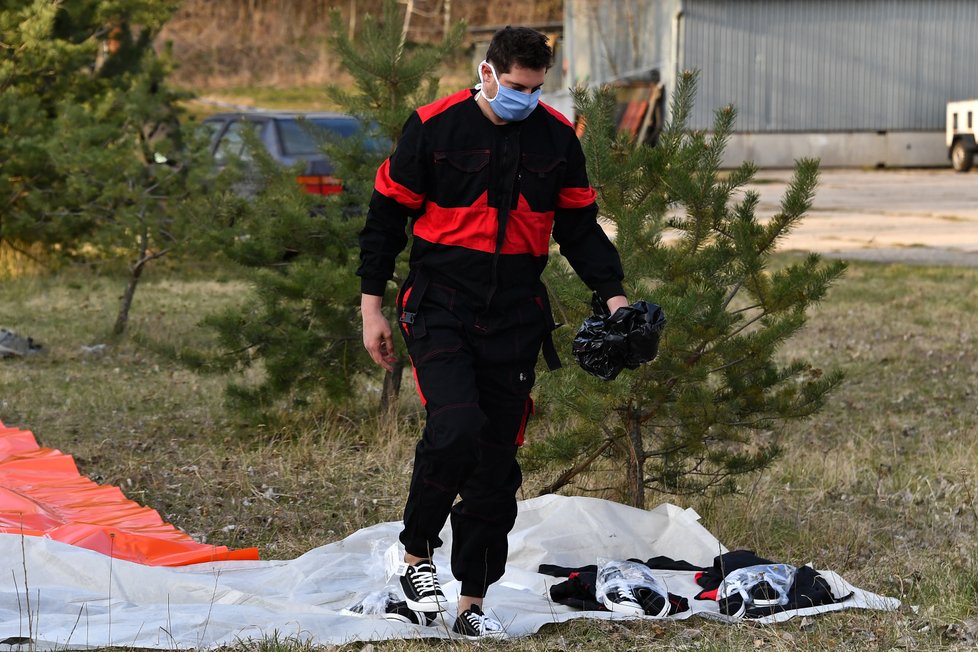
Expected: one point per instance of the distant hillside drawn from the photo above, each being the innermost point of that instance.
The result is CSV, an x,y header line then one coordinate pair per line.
x,y
225,43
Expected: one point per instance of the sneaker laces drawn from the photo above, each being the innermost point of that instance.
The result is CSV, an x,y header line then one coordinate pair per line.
x,y
482,623
771,581
424,580
622,595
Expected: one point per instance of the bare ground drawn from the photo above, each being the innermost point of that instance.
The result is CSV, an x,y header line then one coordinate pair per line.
x,y
925,217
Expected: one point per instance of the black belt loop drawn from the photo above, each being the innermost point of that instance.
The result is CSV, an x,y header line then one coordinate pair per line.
x,y
411,307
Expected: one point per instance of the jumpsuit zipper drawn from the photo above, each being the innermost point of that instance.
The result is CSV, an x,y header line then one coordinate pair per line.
x,y
509,189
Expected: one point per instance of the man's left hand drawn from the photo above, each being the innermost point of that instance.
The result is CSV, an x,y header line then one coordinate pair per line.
x,y
614,303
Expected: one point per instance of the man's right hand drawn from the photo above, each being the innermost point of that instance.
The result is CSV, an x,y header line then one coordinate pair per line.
x,y
377,336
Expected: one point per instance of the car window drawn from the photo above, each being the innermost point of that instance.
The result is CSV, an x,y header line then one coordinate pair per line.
x,y
232,142
208,130
299,137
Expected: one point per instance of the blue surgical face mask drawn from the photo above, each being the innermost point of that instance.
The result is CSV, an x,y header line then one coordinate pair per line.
x,y
508,104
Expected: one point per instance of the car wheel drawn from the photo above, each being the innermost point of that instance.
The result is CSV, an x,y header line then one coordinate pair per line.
x,y
961,157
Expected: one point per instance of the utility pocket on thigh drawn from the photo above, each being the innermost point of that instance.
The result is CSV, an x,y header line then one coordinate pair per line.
x,y
436,330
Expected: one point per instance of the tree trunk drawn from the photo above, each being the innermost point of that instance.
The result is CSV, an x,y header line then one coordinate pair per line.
x,y
122,320
636,453
135,271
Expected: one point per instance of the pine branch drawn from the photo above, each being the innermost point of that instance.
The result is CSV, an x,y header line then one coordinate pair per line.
x,y
567,476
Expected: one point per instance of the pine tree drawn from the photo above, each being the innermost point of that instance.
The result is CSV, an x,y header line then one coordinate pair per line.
x,y
91,154
392,79
712,406
126,168
61,67
300,326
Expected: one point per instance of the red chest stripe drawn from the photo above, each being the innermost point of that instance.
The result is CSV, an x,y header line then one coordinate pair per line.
x,y
474,227
528,231
392,189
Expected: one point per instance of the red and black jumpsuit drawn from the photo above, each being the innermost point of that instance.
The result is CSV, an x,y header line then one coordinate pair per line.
x,y
483,200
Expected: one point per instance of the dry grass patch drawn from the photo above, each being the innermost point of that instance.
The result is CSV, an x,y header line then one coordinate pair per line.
x,y
880,487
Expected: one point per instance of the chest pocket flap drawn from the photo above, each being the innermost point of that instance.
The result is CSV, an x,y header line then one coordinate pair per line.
x,y
543,176
472,160
541,165
460,177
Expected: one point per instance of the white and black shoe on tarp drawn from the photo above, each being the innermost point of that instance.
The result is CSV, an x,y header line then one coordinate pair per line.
x,y
761,585
388,605
422,592
401,612
620,599
474,625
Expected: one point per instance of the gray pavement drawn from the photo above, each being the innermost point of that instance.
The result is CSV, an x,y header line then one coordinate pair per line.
x,y
911,216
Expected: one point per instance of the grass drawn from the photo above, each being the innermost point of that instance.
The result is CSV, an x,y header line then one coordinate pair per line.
x,y
305,98
215,99
880,487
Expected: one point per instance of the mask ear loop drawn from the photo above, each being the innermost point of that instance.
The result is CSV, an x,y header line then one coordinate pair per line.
x,y
478,86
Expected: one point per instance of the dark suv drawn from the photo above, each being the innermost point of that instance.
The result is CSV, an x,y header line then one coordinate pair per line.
x,y
289,137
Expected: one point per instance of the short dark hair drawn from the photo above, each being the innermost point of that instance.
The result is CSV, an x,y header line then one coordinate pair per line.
x,y
521,46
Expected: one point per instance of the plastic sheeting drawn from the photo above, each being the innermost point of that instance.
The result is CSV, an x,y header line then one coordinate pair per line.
x,y
42,494
80,599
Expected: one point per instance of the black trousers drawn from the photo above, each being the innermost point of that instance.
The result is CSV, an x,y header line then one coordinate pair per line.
x,y
474,371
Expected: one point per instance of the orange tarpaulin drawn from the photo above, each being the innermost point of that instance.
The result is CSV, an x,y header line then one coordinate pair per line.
x,y
42,494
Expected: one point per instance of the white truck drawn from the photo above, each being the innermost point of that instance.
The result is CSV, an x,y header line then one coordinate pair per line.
x,y
962,127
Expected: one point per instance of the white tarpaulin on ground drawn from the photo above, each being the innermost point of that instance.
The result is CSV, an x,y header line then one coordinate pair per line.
x,y
64,597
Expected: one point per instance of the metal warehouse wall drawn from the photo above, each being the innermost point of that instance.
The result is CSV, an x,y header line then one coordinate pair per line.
x,y
831,65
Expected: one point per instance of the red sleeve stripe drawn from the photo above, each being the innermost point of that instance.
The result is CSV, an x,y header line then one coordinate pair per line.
x,y
576,197
392,189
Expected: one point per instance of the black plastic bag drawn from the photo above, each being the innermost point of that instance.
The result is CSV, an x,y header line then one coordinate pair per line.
x,y
606,344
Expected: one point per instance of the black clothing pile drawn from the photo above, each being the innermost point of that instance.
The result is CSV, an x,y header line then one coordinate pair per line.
x,y
720,582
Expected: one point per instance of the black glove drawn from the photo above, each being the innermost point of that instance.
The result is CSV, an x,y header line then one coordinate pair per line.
x,y
606,344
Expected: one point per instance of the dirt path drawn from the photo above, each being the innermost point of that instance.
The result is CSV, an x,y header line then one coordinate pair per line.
x,y
911,216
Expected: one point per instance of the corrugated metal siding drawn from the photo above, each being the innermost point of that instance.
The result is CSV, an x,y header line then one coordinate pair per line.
x,y
831,65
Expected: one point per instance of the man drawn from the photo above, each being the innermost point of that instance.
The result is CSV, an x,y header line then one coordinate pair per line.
x,y
485,175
